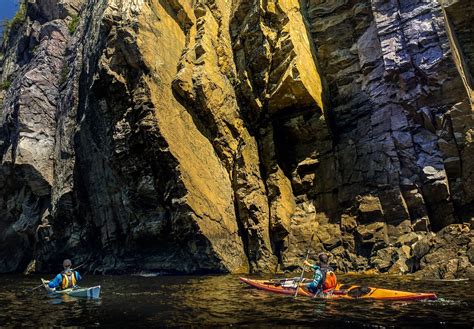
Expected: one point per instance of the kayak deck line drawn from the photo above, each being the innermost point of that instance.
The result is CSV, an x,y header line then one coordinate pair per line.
x,y
90,292
340,292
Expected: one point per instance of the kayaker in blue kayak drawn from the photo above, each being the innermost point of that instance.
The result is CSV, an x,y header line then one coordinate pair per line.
x,y
324,278
67,278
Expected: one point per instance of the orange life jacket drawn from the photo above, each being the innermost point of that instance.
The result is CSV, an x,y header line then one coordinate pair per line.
x,y
69,280
330,279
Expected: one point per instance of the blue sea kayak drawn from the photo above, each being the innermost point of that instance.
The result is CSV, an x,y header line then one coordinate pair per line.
x,y
92,292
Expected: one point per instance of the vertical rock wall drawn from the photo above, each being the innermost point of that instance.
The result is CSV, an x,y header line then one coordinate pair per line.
x,y
34,70
394,91
218,136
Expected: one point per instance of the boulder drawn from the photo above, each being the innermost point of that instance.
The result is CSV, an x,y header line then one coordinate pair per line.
x,y
407,239
348,241
348,223
384,259
414,201
397,230
446,254
371,233
422,247
394,206
421,224
405,252
399,267
370,209
329,235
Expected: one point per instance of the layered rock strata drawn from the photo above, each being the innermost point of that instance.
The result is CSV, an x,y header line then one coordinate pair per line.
x,y
231,136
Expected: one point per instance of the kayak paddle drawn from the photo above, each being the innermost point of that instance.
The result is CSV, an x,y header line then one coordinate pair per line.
x,y
75,268
33,289
304,266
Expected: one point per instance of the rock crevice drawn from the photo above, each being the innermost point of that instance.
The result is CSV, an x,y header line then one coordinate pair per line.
x,y
217,136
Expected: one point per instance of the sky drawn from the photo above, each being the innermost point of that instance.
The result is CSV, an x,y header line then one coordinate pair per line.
x,y
8,9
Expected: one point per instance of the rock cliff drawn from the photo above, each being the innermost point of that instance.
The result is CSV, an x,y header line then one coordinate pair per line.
x,y
218,135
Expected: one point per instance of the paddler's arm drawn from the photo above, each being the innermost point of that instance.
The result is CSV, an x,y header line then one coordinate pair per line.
x,y
318,274
78,276
56,282
312,266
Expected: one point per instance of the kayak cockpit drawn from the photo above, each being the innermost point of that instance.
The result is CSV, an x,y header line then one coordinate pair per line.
x,y
91,292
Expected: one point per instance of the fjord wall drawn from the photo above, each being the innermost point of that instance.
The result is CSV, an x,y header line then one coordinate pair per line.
x,y
217,136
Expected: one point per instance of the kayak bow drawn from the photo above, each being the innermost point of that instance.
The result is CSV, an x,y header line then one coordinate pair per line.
x,y
288,286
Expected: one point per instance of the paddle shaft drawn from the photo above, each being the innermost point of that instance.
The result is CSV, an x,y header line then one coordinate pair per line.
x,y
33,289
75,268
304,266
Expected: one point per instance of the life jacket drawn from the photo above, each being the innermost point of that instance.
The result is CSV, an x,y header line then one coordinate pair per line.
x,y
69,279
329,278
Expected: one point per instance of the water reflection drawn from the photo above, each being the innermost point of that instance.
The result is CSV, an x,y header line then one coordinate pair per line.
x,y
223,300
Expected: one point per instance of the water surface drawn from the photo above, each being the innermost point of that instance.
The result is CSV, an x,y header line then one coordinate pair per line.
x,y
177,301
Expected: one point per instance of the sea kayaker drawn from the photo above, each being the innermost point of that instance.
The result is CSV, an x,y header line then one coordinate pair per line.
x,y
67,278
324,277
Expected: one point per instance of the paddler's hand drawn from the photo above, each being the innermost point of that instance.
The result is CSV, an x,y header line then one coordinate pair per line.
x,y
306,263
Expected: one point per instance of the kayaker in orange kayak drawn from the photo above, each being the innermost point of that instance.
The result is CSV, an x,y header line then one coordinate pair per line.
x,y
324,279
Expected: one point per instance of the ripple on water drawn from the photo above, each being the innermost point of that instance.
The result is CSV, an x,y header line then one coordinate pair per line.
x,y
223,300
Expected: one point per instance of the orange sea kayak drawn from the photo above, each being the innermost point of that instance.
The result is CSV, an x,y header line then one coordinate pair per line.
x,y
288,286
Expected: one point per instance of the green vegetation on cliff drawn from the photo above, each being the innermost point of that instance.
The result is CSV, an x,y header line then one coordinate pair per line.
x,y
5,85
73,24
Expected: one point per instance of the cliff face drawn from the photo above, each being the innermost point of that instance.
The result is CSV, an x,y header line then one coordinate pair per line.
x,y
218,136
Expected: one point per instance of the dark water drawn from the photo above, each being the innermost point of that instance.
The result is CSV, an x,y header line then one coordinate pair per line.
x,y
183,301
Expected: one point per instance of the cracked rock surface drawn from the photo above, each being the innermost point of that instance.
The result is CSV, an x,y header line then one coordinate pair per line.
x,y
218,136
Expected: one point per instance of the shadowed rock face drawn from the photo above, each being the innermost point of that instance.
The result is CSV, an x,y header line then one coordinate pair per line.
x,y
214,136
